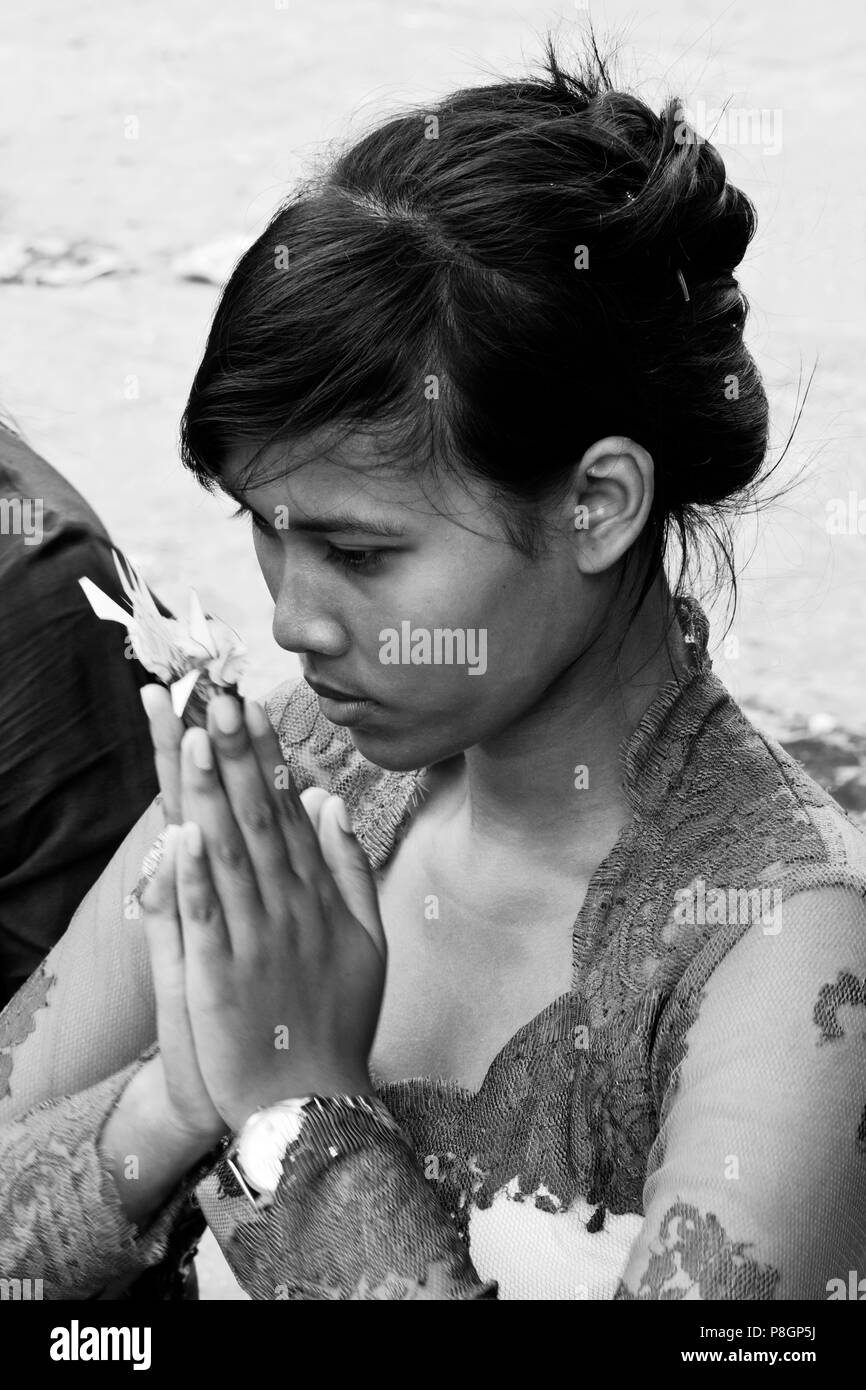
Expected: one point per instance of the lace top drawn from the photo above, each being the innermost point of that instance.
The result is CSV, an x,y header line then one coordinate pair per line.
x,y
687,1121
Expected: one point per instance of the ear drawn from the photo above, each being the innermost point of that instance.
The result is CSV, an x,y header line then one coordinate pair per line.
x,y
611,499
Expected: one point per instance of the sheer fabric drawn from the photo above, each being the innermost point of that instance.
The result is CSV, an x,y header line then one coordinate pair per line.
x,y
688,1121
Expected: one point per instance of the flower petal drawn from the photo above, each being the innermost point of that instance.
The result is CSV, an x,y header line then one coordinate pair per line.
x,y
181,691
103,606
199,630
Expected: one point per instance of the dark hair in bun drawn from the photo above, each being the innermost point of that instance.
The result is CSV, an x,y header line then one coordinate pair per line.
x,y
555,255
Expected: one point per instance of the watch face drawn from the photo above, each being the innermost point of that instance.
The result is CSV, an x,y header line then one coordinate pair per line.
x,y
263,1142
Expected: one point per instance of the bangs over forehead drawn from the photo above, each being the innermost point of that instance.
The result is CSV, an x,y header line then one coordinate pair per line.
x,y
322,332
395,448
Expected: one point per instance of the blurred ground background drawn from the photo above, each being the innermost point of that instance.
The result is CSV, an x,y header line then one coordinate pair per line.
x,y
152,129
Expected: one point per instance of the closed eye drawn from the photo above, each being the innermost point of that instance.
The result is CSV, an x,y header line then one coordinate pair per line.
x,y
354,559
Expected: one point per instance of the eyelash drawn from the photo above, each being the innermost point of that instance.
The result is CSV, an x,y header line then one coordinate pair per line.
x,y
348,559
353,560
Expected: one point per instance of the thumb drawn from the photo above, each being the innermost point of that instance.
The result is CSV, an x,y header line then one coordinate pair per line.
x,y
350,866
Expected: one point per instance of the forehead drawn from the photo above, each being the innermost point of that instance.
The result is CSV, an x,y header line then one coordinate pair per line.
x,y
326,472
323,453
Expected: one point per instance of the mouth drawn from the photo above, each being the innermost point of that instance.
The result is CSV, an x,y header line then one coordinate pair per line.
x,y
340,706
330,692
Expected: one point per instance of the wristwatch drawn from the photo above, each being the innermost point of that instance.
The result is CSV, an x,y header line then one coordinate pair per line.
x,y
308,1132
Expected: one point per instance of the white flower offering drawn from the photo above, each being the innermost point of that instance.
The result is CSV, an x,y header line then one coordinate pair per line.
x,y
196,659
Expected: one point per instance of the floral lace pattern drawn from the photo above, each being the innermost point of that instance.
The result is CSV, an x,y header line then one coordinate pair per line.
x,y
648,1110
846,990
62,1218
576,1104
297,1250
695,1259
18,1020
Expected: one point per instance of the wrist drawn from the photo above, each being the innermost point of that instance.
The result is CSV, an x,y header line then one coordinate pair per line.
x,y
142,1126
298,1138
186,1136
300,1087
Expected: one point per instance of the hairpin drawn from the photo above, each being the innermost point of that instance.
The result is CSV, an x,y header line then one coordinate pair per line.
x,y
683,285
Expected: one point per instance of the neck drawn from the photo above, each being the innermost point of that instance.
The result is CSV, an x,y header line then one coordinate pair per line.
x,y
554,777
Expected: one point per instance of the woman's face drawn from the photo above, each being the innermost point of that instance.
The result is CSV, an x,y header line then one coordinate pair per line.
x,y
446,631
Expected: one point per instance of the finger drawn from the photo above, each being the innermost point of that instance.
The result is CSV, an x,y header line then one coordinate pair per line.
x,y
251,804
298,832
229,867
203,925
166,731
159,909
350,867
312,800
165,943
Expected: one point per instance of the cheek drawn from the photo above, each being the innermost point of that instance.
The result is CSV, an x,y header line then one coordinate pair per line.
x,y
532,626
511,636
519,607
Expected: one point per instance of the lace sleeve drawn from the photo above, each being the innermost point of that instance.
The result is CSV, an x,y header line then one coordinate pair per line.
x,y
63,1227
353,1218
88,1009
70,1040
756,1185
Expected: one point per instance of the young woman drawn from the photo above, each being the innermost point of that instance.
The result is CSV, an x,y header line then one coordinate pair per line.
x,y
469,385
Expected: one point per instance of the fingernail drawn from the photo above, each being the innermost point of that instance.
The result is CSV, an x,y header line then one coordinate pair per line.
x,y
227,714
257,719
200,747
169,848
344,820
149,696
192,839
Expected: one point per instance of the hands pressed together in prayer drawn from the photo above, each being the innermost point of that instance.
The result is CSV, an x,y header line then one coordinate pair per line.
x,y
263,926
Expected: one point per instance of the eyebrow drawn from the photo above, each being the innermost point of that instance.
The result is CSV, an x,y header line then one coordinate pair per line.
x,y
338,523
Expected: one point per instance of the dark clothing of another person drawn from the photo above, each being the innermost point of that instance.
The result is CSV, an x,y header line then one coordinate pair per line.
x,y
76,762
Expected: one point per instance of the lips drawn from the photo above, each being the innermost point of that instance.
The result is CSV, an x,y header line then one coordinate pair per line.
x,y
331,692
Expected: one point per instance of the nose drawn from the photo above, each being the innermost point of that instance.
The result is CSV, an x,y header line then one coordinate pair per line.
x,y
302,622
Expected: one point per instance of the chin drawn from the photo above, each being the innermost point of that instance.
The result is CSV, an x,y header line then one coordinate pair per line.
x,y
399,753
391,754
